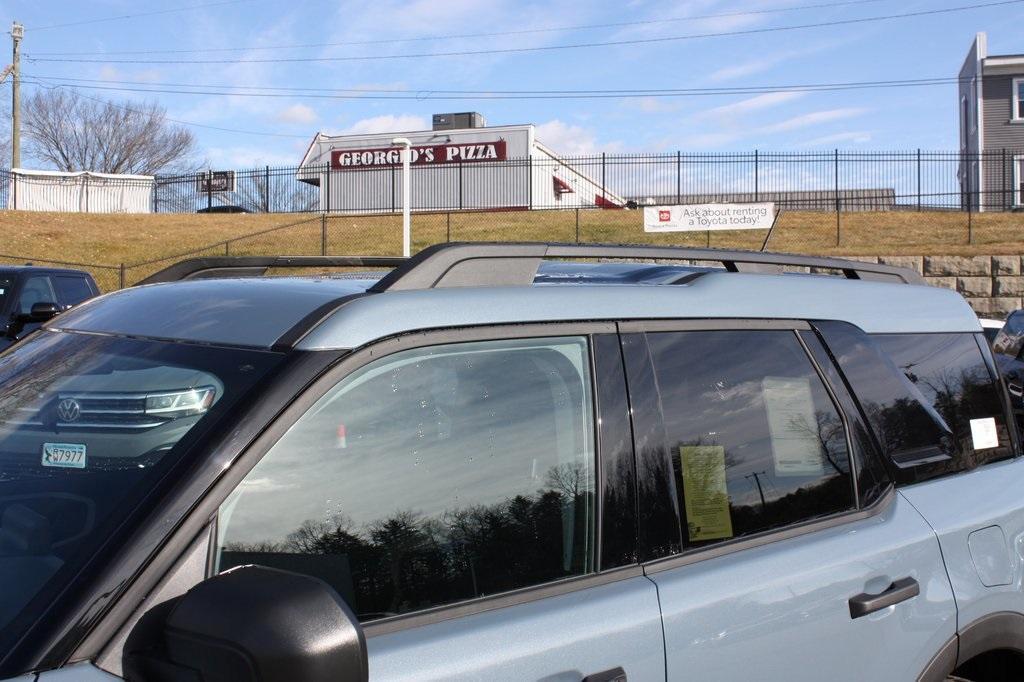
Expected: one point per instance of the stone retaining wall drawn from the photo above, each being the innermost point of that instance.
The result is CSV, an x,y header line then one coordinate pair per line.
x,y
993,285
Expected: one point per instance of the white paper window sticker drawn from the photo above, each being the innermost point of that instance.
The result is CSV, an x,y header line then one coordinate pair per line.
x,y
796,445
984,434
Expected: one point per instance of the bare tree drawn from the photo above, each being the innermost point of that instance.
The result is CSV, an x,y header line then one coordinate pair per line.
x,y
274,192
75,133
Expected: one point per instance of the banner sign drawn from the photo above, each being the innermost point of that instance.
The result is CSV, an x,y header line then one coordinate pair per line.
x,y
469,152
704,217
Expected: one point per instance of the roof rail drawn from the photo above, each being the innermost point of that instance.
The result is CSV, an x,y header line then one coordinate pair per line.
x,y
256,266
515,264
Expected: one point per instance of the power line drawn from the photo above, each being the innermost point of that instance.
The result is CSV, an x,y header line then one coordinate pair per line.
x,y
543,48
166,118
423,95
136,15
550,29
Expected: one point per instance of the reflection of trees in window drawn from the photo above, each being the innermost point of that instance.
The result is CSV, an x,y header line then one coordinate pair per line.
x,y
407,562
813,498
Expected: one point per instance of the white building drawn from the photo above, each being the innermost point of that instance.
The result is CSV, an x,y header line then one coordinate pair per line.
x,y
459,164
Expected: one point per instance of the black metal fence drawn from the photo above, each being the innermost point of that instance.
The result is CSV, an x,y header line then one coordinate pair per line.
x,y
813,181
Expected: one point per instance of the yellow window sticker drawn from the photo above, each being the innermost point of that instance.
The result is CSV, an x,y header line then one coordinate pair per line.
x,y
705,494
796,442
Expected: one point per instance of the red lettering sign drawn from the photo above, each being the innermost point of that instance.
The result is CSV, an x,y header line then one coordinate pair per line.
x,y
383,157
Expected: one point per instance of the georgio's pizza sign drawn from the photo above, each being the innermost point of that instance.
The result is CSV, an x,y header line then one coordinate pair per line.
x,y
469,152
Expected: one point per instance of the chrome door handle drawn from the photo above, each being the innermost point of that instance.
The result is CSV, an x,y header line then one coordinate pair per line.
x,y
613,675
1016,390
901,590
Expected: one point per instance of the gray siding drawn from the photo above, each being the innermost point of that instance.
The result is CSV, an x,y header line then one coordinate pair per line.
x,y
967,105
1000,134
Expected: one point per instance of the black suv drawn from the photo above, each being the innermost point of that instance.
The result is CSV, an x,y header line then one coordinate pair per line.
x,y
31,295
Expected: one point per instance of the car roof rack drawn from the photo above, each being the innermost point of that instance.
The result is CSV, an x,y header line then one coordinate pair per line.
x,y
478,264
462,264
257,266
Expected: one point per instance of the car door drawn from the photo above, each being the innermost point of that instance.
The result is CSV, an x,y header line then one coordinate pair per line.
x,y
472,498
779,548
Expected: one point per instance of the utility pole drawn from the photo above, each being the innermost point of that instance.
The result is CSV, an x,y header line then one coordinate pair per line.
x,y
17,33
757,480
406,153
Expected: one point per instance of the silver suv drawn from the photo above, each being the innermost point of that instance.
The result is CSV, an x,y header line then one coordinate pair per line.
x,y
513,462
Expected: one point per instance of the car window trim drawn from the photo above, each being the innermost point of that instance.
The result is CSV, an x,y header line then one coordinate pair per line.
x,y
838,405
712,324
771,536
523,595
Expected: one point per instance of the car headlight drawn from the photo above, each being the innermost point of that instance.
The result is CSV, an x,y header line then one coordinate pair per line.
x,y
176,404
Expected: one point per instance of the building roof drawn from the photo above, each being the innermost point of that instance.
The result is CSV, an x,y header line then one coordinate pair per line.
x,y
325,138
328,313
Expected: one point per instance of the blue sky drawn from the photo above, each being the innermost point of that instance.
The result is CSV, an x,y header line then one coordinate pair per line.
x,y
869,119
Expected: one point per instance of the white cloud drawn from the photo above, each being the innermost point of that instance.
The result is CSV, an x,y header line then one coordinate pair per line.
x,y
655,105
708,140
571,140
765,101
853,137
813,118
387,123
768,61
741,70
297,113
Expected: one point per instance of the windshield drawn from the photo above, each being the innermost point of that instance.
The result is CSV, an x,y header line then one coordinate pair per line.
x,y
88,426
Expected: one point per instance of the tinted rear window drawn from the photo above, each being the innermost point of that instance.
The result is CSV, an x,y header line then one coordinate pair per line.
x,y
72,289
951,373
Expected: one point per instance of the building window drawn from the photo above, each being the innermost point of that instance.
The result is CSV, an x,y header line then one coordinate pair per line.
x,y
1018,99
1018,181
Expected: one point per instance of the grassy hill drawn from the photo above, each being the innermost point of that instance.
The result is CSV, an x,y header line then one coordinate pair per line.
x,y
113,239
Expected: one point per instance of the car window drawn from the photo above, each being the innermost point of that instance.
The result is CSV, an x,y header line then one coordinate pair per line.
x,y
951,373
73,289
753,437
1010,339
35,289
430,476
90,427
6,287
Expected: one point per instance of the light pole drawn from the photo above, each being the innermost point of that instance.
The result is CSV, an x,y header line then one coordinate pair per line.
x,y
406,160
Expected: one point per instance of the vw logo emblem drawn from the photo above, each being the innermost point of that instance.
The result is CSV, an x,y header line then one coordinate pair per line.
x,y
68,410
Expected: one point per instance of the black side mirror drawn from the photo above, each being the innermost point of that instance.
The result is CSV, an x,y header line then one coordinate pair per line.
x,y
250,624
40,312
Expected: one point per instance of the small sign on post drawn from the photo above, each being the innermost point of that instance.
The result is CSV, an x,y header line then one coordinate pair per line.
x,y
708,217
215,181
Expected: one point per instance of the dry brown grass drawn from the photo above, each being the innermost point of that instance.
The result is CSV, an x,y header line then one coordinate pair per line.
x,y
109,239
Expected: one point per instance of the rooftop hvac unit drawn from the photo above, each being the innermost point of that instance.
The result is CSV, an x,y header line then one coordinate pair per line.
x,y
468,119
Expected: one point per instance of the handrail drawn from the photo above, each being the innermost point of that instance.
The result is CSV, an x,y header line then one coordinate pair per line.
x,y
515,264
257,266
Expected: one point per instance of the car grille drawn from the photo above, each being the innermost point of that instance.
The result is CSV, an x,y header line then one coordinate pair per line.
x,y
92,410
